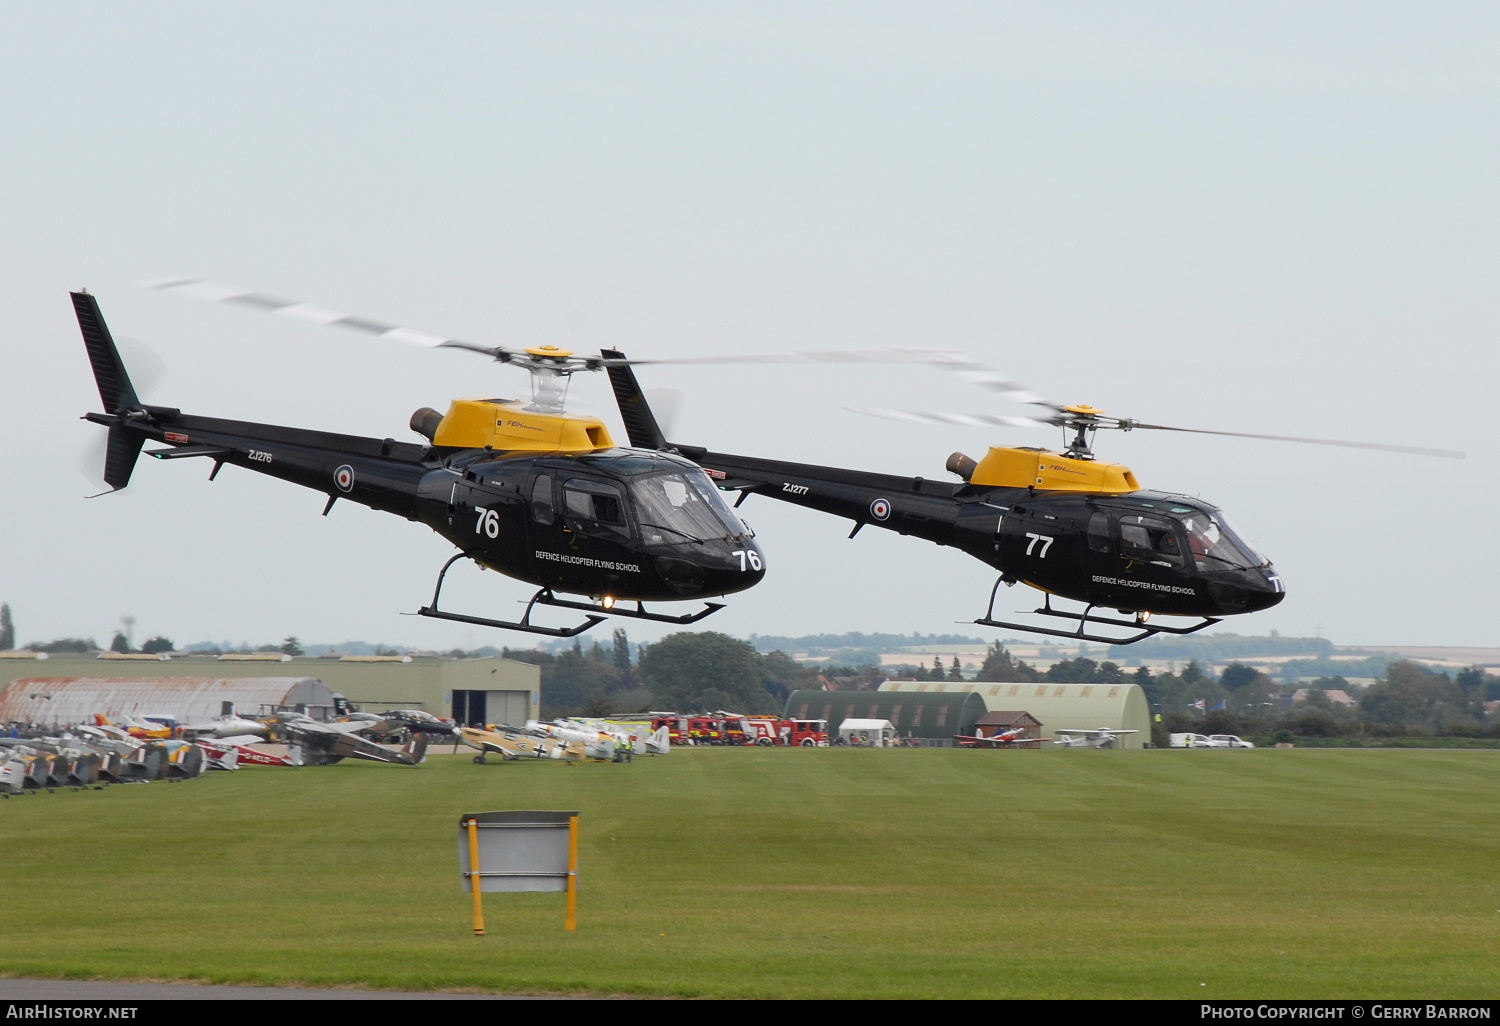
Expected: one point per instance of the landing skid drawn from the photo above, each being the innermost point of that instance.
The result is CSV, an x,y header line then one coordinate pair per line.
x,y
545,597
524,624
1085,618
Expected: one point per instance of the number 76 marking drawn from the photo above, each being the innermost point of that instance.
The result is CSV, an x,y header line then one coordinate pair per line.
x,y
1046,541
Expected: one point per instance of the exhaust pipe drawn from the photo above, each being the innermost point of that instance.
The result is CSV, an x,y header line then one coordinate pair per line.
x,y
961,465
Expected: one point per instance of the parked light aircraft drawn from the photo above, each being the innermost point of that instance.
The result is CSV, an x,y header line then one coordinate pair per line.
x,y
227,724
219,756
322,744
638,735
1099,737
249,751
1006,739
147,728
509,744
23,767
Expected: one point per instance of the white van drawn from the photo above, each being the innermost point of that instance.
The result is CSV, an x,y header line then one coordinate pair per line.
x,y
1189,741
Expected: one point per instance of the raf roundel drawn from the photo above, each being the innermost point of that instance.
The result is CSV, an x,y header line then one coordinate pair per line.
x,y
880,509
344,478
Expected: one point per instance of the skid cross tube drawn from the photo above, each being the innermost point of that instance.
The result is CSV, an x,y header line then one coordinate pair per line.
x,y
524,624
1084,619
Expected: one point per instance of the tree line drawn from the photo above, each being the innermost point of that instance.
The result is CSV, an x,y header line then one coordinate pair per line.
x,y
704,671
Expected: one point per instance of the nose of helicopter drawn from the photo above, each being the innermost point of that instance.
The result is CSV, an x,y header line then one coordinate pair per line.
x,y
721,567
1267,589
1247,591
739,565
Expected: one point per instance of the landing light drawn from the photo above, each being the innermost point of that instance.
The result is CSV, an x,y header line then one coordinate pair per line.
x,y
609,602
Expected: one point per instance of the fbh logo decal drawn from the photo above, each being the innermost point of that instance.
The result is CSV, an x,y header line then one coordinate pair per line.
x,y
880,509
344,478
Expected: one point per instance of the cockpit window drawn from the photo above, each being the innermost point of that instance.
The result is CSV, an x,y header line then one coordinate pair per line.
x,y
1215,546
678,508
1149,540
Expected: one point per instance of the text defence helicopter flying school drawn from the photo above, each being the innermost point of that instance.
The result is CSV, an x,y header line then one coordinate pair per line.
x,y
546,497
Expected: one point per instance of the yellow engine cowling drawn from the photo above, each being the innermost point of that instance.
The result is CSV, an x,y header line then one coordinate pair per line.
x,y
477,423
1052,472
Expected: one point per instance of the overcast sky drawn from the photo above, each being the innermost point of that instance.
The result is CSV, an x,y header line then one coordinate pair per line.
x,y
1276,218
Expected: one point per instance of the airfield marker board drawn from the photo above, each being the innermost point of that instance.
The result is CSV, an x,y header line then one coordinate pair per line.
x,y
519,851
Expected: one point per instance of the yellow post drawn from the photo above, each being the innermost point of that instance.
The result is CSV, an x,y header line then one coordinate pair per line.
x,y
475,880
572,873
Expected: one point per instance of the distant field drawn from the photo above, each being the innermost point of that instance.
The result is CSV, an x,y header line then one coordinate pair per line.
x,y
801,873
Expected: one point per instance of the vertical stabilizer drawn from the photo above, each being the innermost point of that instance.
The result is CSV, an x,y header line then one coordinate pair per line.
x,y
115,389
640,422
120,456
109,370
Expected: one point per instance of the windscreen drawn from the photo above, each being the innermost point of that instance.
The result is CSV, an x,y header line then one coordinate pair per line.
x,y
676,508
1216,546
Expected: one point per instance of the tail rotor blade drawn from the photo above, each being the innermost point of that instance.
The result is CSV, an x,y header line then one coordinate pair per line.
x,y
666,403
147,370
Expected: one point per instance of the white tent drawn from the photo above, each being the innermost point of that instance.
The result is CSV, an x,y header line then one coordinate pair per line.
x,y
868,733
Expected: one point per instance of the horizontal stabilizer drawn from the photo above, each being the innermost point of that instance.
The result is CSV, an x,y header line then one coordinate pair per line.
x,y
184,451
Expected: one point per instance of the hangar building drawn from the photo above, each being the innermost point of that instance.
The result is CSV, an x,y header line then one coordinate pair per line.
x,y
923,715
69,700
1057,706
486,690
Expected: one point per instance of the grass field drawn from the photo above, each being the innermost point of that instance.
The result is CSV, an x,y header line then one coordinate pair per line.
x,y
801,873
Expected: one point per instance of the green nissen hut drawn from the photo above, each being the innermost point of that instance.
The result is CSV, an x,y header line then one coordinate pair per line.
x,y
1057,706
924,715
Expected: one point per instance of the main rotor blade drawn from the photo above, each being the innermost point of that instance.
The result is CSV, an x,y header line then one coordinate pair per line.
x,y
1450,454
961,419
946,359
213,292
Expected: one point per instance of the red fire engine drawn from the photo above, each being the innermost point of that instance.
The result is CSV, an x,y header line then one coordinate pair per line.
x,y
797,733
696,730
723,728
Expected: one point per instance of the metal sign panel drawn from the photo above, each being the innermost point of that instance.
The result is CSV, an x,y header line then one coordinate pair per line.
x,y
518,851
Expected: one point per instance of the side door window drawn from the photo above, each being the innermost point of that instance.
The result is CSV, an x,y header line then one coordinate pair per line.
x,y
542,511
594,508
1150,540
1097,536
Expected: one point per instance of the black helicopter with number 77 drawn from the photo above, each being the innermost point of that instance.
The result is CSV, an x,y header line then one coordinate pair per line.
x,y
1063,522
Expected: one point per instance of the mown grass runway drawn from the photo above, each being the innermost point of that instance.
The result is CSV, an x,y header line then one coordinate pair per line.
x,y
801,873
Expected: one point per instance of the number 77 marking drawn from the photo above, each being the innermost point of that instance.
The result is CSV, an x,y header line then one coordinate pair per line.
x,y
1046,541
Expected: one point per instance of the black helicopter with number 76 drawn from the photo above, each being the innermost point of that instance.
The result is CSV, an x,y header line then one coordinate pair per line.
x,y
525,489
1062,522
